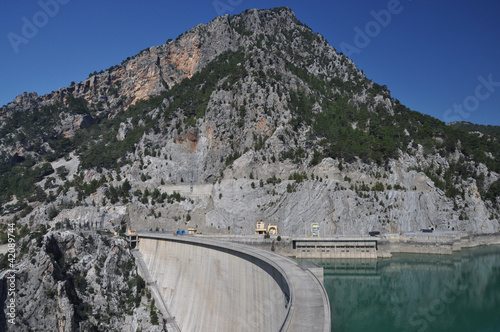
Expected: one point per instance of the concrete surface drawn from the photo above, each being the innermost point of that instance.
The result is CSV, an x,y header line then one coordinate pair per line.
x,y
169,320
219,286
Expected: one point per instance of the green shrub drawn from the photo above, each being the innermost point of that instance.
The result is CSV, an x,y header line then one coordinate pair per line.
x,y
51,293
53,212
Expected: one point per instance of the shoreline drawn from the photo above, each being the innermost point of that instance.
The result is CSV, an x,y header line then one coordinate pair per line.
x,y
433,243
436,243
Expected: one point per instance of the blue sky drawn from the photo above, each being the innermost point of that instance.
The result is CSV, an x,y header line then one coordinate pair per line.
x,y
437,57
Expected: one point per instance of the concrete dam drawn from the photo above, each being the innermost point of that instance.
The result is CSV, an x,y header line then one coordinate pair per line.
x,y
219,286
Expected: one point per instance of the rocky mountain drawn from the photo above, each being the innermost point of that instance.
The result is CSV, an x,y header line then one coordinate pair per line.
x,y
249,117
70,282
492,131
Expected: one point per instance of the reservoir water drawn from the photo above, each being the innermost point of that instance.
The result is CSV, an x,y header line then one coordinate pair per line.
x,y
411,292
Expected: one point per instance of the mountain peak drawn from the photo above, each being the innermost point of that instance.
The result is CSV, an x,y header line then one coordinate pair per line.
x,y
158,68
254,101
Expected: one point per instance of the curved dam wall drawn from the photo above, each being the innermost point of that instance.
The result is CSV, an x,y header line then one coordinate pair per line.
x,y
211,287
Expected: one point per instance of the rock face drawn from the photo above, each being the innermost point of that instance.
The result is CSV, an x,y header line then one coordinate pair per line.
x,y
68,282
153,70
234,204
233,133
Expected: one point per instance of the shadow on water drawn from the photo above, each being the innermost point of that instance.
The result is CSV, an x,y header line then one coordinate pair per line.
x,y
410,292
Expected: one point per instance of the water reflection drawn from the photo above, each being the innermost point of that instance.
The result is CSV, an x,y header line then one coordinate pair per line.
x,y
459,292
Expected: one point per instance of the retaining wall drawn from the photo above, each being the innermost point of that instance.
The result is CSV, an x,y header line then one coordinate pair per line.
x,y
220,287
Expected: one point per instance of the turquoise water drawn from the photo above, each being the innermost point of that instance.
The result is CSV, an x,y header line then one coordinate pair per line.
x,y
409,292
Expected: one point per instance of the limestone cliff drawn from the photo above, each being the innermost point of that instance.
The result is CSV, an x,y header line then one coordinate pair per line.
x,y
69,282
